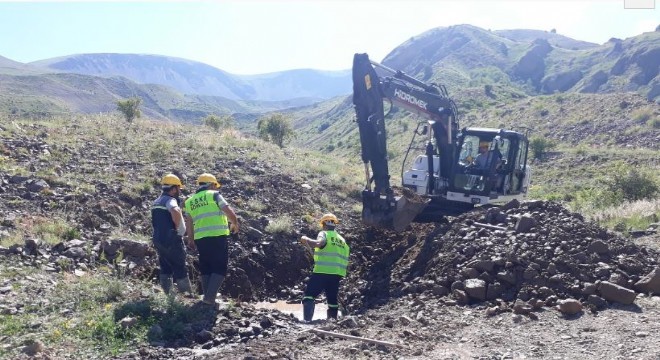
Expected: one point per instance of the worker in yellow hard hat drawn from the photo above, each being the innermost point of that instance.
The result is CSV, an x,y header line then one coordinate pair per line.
x,y
168,229
330,262
210,220
487,157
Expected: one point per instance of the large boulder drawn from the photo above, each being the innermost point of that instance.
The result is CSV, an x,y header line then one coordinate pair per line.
x,y
650,283
128,247
616,293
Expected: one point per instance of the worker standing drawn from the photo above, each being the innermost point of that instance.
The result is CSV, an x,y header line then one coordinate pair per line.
x,y
168,230
330,262
210,220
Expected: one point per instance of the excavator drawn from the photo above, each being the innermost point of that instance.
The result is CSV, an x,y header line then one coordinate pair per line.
x,y
455,169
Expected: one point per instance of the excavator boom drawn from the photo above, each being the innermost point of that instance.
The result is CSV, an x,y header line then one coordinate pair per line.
x,y
381,207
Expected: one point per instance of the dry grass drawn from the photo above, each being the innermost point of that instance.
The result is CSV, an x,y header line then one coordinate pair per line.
x,y
643,208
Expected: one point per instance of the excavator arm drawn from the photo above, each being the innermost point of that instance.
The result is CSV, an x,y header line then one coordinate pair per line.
x,y
381,207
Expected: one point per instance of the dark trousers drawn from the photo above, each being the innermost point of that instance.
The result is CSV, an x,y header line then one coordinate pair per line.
x,y
328,283
171,255
213,255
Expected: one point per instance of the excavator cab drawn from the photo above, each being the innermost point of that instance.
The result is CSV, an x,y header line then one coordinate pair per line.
x,y
490,167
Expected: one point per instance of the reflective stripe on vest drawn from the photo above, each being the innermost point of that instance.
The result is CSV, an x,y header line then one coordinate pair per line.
x,y
333,258
208,218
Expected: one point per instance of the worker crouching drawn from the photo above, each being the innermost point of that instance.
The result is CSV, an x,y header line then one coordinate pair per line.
x,y
330,262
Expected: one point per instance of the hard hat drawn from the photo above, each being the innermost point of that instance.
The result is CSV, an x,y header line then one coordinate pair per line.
x,y
171,180
207,178
328,217
484,143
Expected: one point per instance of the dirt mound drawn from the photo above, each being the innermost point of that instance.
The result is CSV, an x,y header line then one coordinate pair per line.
x,y
536,252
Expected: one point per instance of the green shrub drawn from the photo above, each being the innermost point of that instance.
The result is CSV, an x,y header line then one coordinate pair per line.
x,y
130,108
633,184
276,129
540,146
642,115
218,122
654,122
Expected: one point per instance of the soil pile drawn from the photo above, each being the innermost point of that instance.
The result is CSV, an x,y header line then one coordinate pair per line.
x,y
536,253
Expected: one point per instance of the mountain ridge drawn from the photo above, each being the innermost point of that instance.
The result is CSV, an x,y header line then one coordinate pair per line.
x,y
193,77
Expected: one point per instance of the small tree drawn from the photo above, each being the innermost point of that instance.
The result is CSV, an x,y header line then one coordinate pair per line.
x,y
276,129
130,108
217,122
540,146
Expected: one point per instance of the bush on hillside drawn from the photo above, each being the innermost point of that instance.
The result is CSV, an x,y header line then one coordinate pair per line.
x,y
633,184
540,147
217,122
130,108
276,129
642,115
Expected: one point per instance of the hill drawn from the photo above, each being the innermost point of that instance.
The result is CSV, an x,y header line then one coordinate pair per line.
x,y
8,66
531,61
38,95
191,77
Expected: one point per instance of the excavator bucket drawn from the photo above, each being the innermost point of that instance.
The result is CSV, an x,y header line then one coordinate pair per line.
x,y
389,211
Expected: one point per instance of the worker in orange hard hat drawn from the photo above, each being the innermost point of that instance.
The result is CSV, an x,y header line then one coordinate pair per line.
x,y
330,262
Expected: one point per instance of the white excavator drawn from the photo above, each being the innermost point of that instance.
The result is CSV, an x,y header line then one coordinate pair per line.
x,y
456,170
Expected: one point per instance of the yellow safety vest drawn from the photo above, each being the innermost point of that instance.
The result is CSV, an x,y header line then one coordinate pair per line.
x,y
333,258
208,218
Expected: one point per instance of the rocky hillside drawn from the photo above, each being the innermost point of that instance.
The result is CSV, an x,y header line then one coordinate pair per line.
x,y
532,61
191,77
79,275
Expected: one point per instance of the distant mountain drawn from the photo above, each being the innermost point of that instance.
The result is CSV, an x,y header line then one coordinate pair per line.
x,y
57,93
307,83
531,61
8,66
191,77
514,64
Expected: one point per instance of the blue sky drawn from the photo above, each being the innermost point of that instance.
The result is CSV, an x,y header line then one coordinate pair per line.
x,y
250,37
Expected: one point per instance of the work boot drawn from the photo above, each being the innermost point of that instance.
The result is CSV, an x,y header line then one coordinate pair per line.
x,y
165,283
183,285
213,285
308,310
332,313
205,283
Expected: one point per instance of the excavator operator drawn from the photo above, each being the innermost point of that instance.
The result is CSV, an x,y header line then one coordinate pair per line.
x,y
486,157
